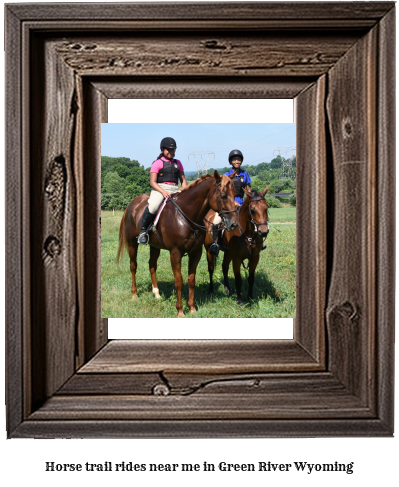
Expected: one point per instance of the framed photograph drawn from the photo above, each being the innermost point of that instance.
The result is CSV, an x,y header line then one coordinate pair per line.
x,y
263,131
65,377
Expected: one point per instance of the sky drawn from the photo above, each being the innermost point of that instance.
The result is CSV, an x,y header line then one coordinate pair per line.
x,y
258,128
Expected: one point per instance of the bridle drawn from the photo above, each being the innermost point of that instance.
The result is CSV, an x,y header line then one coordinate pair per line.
x,y
250,240
221,211
254,223
187,220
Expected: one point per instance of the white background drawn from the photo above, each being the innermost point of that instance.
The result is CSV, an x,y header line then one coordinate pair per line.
x,y
23,461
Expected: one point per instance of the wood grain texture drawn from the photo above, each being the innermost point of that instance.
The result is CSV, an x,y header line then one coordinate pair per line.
x,y
311,229
352,125
95,330
178,87
64,62
219,55
250,428
385,244
200,356
14,243
53,237
278,11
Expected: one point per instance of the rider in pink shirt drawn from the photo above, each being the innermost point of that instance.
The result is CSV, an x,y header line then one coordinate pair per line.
x,y
165,173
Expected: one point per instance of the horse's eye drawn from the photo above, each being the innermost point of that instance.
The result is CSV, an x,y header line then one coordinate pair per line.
x,y
224,196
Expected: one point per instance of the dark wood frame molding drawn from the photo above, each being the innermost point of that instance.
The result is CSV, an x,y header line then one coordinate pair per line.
x,y
63,62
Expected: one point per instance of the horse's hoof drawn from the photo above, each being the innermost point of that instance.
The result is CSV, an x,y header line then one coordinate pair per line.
x,y
180,314
156,293
193,310
239,302
134,297
227,290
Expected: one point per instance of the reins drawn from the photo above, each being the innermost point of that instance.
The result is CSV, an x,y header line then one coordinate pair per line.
x,y
200,227
249,240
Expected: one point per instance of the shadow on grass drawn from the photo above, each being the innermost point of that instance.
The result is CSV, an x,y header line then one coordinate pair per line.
x,y
263,287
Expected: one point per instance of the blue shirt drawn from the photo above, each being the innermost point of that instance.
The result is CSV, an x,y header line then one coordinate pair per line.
x,y
247,180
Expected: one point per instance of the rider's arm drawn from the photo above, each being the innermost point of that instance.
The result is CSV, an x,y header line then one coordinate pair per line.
x,y
155,185
183,180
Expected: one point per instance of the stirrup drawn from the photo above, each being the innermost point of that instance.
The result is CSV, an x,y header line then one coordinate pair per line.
x,y
143,238
214,249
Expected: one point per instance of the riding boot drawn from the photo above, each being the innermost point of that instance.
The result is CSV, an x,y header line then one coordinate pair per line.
x,y
146,221
214,248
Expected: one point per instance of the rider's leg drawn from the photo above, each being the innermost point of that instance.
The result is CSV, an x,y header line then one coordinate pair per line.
x,y
217,219
146,221
154,203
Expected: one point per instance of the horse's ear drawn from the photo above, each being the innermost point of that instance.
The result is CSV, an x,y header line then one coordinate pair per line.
x,y
248,193
216,176
265,190
231,176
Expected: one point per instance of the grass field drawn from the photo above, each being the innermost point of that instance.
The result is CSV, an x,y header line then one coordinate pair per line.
x,y
274,288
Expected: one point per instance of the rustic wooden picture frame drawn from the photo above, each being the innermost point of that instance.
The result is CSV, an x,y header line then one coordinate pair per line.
x,y
64,378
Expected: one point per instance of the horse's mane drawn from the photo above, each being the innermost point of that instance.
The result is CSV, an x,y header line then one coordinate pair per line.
x,y
196,182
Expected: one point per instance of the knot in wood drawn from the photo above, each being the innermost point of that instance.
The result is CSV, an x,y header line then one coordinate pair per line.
x,y
213,44
51,249
347,128
161,390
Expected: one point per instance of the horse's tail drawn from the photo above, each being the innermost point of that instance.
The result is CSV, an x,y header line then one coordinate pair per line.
x,y
122,237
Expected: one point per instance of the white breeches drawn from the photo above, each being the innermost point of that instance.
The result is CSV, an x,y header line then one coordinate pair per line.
x,y
156,197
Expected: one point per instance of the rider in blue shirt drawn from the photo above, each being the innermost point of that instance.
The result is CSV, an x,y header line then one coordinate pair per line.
x,y
241,179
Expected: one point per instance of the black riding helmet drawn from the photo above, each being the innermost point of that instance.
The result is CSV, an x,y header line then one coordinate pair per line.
x,y
235,152
168,143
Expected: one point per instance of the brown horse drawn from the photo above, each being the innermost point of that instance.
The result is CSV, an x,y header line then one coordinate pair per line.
x,y
245,242
179,230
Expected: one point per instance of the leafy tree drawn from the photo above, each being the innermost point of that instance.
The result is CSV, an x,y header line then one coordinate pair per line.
x,y
282,186
277,162
113,183
273,202
122,170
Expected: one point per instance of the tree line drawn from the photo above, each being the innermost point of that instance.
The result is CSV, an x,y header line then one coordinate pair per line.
x,y
122,179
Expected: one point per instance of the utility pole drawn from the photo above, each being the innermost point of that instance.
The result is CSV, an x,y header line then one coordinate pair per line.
x,y
202,169
287,171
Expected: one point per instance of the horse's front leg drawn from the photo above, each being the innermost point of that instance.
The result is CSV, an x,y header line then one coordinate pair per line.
x,y
193,261
211,267
225,268
251,277
237,278
132,249
154,254
175,260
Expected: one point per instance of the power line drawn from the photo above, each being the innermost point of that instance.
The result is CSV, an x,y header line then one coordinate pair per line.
x,y
204,168
255,141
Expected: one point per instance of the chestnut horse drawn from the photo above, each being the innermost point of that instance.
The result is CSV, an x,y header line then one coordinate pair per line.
x,y
178,230
245,242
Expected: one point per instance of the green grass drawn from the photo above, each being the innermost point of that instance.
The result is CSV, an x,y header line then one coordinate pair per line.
x,y
282,215
274,288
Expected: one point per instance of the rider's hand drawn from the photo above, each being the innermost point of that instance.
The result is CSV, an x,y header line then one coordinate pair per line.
x,y
166,194
237,204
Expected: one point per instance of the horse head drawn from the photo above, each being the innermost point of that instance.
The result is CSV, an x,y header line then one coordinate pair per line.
x,y
257,206
223,202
